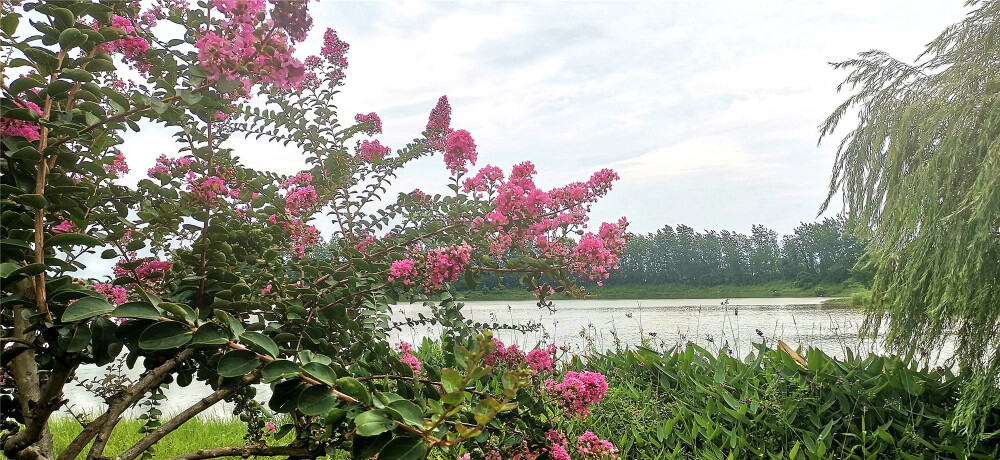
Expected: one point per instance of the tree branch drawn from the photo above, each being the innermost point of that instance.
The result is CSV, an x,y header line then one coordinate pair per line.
x,y
245,451
118,406
179,419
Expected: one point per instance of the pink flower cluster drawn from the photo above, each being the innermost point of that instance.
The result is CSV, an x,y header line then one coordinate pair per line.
x,y
446,264
206,190
459,149
364,243
403,270
334,49
439,122
484,181
510,356
150,270
64,226
577,391
245,48
115,295
132,47
118,166
408,358
20,128
543,291
372,122
369,151
293,17
170,167
542,359
301,198
591,446
596,255
558,445
266,290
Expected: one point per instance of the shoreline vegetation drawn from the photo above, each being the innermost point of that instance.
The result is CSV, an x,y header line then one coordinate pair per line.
x,y
846,293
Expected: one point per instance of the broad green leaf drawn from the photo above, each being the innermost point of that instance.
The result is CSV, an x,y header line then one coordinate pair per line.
x,y
403,448
280,369
210,334
406,411
87,307
260,343
180,311
316,400
164,335
74,339
141,310
355,389
72,239
238,363
32,200
320,372
372,423
451,380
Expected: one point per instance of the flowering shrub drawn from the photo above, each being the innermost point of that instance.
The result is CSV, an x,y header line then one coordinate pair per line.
x,y
217,273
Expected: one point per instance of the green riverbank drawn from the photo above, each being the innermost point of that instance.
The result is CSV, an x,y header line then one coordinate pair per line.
x,y
683,291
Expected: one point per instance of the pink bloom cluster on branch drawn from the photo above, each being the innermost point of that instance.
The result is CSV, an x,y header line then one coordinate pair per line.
x,y
369,151
132,47
171,167
364,243
542,359
246,49
577,391
510,356
116,295
64,226
118,166
334,49
459,149
591,446
558,445
403,270
293,17
408,357
372,122
596,255
446,264
149,270
10,127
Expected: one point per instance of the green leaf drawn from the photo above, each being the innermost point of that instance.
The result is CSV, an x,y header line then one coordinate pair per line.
x,y
23,84
320,372
355,389
180,311
158,106
32,200
27,153
63,17
372,423
235,327
403,448
72,239
8,23
210,334
74,339
316,400
27,270
238,363
164,335
87,307
71,38
280,369
261,343
406,411
139,310
451,380
7,268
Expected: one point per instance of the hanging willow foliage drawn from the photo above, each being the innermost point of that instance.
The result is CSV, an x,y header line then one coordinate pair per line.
x,y
920,177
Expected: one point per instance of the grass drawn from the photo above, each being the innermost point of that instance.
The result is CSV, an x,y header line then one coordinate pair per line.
x,y
683,291
197,433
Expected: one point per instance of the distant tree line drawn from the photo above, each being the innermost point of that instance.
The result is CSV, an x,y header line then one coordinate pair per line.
x,y
815,253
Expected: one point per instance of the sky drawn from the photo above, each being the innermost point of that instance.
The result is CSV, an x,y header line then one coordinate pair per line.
x,y
708,110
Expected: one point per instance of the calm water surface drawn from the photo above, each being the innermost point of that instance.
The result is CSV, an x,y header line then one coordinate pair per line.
x,y
597,324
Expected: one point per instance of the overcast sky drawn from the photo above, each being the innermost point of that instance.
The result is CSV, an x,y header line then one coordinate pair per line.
x,y
708,110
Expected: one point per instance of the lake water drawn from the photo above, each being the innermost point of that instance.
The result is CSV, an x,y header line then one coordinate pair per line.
x,y
597,324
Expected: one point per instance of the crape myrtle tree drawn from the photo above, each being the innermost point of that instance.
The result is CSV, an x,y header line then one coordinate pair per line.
x,y
920,176
210,280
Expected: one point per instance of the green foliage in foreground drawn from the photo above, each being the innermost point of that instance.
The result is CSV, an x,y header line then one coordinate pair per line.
x,y
693,404
682,291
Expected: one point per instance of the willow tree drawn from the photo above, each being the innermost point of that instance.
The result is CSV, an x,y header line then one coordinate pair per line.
x,y
920,177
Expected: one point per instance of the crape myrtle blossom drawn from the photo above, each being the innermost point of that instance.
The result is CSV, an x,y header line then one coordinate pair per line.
x,y
372,123
542,359
591,446
369,151
438,125
64,226
10,127
558,445
408,357
577,391
403,270
133,48
148,270
459,149
118,166
116,295
293,17
510,356
247,49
